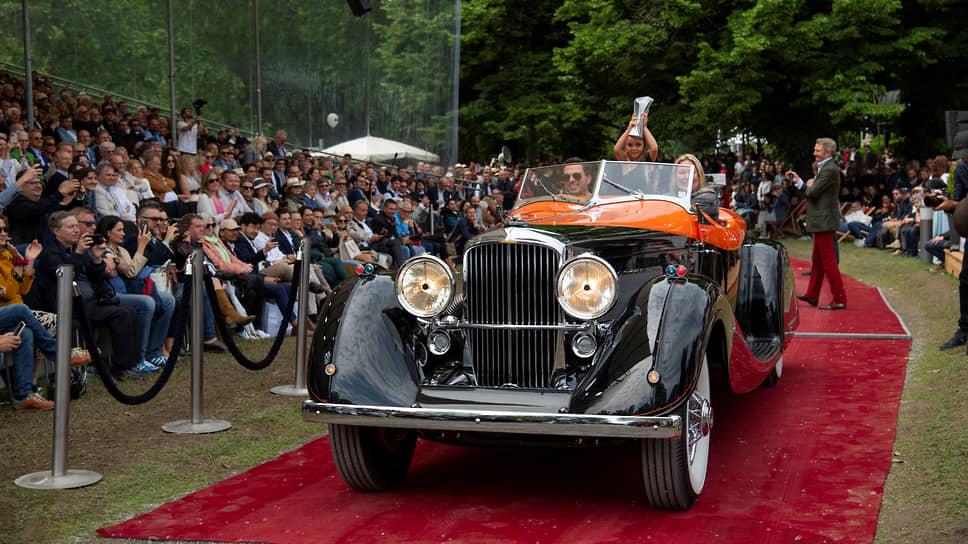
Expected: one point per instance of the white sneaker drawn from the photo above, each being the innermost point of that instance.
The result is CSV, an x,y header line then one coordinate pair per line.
x,y
262,334
860,243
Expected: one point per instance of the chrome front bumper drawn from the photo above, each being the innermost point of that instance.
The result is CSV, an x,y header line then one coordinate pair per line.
x,y
600,426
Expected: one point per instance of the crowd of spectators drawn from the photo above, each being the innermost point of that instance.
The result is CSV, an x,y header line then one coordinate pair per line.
x,y
125,198
881,198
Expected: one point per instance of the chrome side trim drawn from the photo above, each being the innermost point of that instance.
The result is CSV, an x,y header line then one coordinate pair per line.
x,y
601,426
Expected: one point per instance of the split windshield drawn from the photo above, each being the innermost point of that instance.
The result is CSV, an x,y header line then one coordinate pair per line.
x,y
608,181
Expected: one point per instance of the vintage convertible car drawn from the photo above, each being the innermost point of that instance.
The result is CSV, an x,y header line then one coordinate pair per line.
x,y
606,310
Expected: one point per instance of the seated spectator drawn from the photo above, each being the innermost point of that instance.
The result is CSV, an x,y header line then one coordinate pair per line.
x,y
292,199
127,275
323,255
22,349
263,201
100,303
866,235
228,192
910,231
163,187
225,262
209,203
28,211
407,230
110,198
467,228
384,238
131,179
17,278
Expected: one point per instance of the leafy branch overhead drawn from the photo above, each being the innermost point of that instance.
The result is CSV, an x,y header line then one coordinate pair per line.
x,y
782,70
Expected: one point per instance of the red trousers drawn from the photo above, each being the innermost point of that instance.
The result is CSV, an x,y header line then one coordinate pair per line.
x,y
825,264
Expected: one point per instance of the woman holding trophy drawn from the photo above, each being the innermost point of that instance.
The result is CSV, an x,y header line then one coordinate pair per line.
x,y
637,143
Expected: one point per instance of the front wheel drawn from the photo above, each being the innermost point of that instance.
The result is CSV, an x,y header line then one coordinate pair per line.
x,y
372,458
674,470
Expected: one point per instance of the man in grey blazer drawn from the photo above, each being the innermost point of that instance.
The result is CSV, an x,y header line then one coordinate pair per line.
x,y
823,219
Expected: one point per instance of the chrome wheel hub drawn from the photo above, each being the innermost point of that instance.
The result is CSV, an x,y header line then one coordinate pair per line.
x,y
700,421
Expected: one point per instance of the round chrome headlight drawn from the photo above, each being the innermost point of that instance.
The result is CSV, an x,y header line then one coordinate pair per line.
x,y
587,287
425,286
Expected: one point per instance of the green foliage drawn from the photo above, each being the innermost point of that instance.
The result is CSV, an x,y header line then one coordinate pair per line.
x,y
390,73
786,71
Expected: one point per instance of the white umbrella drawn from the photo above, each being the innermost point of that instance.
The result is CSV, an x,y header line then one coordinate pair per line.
x,y
371,148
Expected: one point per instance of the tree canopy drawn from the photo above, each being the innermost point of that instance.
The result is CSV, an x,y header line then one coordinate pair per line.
x,y
785,71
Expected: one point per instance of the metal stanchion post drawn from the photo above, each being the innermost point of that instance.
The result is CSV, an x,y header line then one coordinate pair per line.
x,y
299,389
197,424
60,477
927,226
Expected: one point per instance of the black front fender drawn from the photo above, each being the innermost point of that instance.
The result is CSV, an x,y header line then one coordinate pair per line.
x,y
665,329
367,338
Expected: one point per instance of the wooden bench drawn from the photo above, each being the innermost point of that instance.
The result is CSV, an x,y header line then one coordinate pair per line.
x,y
952,262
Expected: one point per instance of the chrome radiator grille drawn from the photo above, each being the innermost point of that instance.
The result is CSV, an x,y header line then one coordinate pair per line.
x,y
512,285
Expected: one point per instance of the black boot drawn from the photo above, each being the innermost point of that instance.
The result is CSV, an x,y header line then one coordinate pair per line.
x,y
958,339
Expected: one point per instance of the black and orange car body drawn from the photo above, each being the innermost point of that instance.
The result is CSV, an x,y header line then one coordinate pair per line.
x,y
607,309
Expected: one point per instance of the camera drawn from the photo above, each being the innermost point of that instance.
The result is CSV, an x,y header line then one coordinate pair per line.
x,y
932,200
97,239
198,104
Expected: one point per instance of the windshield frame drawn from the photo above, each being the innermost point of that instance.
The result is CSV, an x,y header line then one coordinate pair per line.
x,y
596,198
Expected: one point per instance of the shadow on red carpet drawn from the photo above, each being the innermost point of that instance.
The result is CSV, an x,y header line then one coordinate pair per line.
x,y
802,462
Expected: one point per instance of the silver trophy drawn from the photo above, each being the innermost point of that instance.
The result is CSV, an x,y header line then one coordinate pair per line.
x,y
642,104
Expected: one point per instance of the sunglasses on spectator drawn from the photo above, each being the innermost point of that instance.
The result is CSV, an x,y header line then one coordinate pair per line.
x,y
209,155
3,230
171,159
210,226
248,187
87,223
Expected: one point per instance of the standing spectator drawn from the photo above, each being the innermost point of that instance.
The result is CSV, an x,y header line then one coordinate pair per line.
x,y
960,191
823,219
187,129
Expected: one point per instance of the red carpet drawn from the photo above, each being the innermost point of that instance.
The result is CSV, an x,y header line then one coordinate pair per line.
x,y
803,462
866,313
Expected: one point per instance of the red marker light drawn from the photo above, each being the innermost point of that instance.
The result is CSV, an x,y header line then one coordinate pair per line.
x,y
359,269
681,271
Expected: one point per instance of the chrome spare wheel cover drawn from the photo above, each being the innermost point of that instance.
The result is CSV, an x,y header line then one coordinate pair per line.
x,y
699,423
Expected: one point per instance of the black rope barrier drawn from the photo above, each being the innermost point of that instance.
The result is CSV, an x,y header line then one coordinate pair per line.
x,y
102,367
223,327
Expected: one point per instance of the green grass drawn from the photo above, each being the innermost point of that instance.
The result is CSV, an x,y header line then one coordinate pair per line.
x,y
161,476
